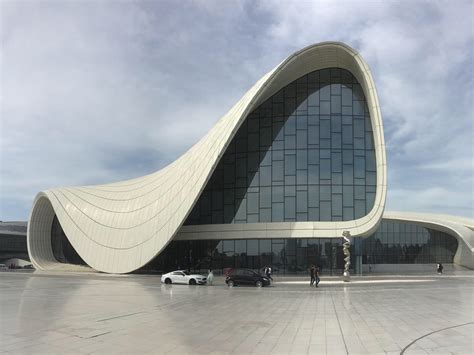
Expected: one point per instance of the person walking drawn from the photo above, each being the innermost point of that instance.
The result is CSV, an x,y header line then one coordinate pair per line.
x,y
316,275
210,277
440,268
312,272
268,272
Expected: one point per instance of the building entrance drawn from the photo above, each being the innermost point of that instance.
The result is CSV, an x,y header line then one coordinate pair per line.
x,y
285,256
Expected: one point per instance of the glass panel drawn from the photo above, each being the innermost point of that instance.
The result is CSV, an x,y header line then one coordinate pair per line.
x,y
229,213
301,139
359,167
277,194
346,96
337,205
335,104
325,211
290,164
313,135
278,256
301,201
290,190
241,214
252,203
277,212
277,155
264,257
265,215
253,161
325,169
325,92
336,141
290,142
359,209
290,126
313,196
277,171
290,208
301,159
313,174
325,129
302,177
265,197
325,107
336,162
307,134
265,175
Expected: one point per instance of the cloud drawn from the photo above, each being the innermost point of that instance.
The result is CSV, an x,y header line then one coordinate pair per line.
x,y
94,92
429,200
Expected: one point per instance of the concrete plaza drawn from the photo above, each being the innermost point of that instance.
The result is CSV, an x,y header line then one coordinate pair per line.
x,y
97,313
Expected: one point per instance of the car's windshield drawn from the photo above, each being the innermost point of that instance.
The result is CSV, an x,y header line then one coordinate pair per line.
x,y
185,272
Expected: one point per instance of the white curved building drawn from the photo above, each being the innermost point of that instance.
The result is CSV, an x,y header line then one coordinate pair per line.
x,y
299,159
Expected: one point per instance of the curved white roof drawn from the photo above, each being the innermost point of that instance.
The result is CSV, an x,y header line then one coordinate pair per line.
x,y
119,227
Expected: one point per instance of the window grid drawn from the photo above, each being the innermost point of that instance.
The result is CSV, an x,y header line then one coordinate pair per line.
x,y
406,243
392,243
306,154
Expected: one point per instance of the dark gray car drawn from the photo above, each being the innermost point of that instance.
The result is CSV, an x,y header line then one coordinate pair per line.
x,y
246,277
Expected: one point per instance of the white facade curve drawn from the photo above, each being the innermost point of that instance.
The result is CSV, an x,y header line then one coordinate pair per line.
x,y
119,227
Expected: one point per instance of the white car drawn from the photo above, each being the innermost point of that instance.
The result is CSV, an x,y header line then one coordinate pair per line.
x,y
3,267
183,277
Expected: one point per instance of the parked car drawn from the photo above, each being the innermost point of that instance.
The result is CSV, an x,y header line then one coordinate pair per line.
x,y
183,277
3,267
246,277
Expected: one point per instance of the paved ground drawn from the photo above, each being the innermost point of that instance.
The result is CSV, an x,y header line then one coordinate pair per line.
x,y
71,313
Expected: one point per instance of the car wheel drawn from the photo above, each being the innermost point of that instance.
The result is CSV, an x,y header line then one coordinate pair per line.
x,y
168,281
259,283
192,282
230,283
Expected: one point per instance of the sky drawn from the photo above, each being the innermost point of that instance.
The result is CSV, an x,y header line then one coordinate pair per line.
x,y
100,91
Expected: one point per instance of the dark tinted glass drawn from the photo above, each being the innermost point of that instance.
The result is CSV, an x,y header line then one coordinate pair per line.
x,y
408,243
392,243
63,251
313,133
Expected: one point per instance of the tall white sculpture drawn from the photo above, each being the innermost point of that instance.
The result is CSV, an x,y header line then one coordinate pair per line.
x,y
347,255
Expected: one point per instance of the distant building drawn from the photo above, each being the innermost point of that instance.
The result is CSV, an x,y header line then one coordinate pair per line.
x,y
296,162
13,241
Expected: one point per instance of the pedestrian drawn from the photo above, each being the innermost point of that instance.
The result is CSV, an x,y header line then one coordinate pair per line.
x,y
316,275
210,277
268,272
312,272
440,268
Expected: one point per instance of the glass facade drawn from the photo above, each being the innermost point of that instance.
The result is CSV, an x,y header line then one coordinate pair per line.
x,y
407,243
286,256
63,251
392,243
305,154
